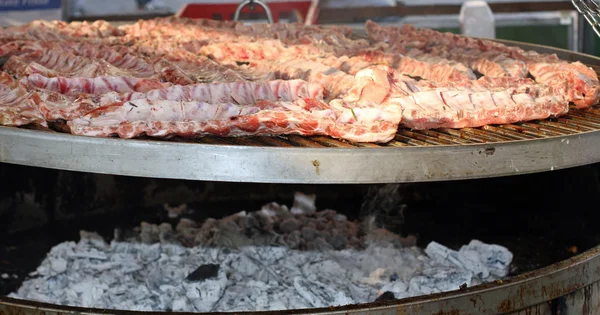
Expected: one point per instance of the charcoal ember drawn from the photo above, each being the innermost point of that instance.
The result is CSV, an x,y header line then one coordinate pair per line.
x,y
264,221
385,296
185,224
355,242
230,235
294,240
398,288
319,244
266,239
352,229
326,214
205,233
309,233
206,271
289,225
251,223
149,233
165,233
186,231
236,217
322,224
273,225
328,234
338,241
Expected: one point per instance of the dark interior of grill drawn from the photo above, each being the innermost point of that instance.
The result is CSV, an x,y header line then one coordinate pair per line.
x,y
542,218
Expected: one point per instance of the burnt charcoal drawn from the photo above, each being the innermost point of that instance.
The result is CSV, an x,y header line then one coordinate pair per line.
x,y
272,226
250,222
185,224
290,225
230,235
166,233
327,214
309,233
339,241
264,220
386,296
294,240
149,233
207,271
322,244
327,235
394,277
322,226
355,242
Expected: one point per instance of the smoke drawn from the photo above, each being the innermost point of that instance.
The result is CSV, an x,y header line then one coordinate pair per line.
x,y
383,207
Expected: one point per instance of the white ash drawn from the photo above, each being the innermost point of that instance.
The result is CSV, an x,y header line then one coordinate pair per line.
x,y
271,259
152,277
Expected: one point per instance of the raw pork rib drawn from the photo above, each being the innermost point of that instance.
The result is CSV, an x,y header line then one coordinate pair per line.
x,y
191,119
496,59
16,105
444,106
276,107
185,77
69,106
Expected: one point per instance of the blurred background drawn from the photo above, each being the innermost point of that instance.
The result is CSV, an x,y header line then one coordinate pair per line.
x,y
549,22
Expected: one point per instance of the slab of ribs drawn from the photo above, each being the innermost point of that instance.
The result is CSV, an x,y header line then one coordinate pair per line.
x,y
190,78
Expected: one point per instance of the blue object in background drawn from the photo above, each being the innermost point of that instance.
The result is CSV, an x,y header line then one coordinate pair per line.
x,y
29,5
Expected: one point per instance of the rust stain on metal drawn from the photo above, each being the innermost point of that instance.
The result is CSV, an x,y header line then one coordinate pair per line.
x,y
316,164
587,300
506,306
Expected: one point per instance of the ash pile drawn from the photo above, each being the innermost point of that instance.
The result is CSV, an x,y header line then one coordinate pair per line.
x,y
276,258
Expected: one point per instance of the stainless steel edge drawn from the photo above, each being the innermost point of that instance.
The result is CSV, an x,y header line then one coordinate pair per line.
x,y
518,293
561,53
161,159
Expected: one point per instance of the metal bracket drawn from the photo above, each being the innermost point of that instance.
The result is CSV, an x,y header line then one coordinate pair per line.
x,y
252,3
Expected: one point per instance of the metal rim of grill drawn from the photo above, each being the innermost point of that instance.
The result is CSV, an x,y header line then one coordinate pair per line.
x,y
413,156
